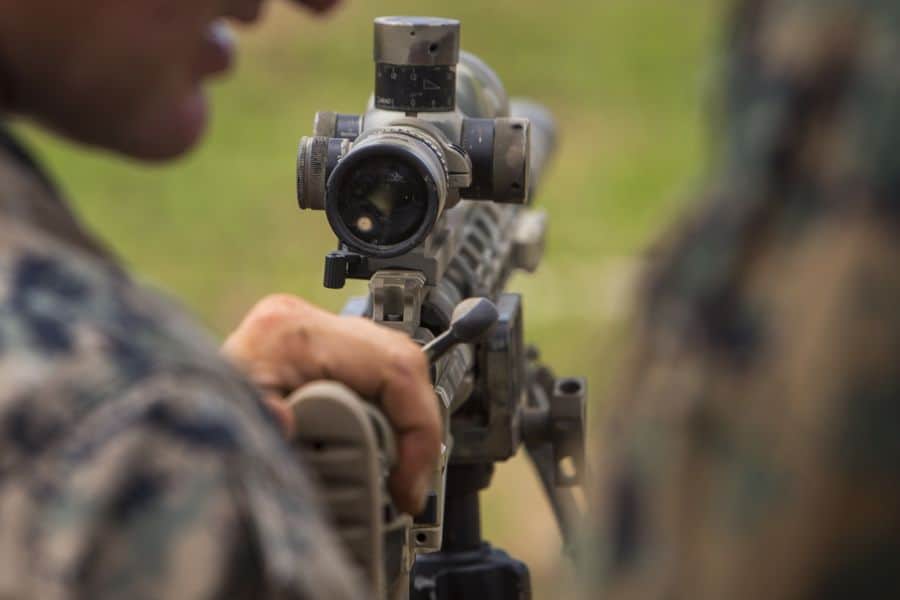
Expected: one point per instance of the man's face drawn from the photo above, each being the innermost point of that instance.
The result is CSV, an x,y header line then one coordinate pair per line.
x,y
127,75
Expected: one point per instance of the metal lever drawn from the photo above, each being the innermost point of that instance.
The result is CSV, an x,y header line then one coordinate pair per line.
x,y
472,319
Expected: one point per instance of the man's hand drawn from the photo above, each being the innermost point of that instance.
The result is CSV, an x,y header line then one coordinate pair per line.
x,y
285,343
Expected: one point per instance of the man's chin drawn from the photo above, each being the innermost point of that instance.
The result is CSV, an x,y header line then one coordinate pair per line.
x,y
168,134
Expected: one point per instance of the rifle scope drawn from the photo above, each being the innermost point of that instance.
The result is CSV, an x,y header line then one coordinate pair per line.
x,y
437,131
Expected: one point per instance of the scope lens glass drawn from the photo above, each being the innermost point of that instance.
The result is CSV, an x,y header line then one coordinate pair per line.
x,y
383,201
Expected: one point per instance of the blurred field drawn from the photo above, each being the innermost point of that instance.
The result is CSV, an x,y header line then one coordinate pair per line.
x,y
630,81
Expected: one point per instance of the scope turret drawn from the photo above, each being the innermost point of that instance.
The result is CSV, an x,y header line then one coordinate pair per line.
x,y
437,130
415,64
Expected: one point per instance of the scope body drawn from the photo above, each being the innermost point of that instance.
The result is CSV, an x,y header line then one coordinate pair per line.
x,y
438,129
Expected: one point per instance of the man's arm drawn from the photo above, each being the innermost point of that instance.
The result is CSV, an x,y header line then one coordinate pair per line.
x,y
132,457
172,490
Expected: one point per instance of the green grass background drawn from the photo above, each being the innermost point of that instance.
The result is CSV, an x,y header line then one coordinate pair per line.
x,y
630,82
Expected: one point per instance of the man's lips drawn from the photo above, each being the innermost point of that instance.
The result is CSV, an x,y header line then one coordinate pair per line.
x,y
219,49
220,43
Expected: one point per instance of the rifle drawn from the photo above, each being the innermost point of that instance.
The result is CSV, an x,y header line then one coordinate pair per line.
x,y
428,194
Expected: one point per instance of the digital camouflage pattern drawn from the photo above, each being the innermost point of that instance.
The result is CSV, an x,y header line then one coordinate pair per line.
x,y
134,463
754,450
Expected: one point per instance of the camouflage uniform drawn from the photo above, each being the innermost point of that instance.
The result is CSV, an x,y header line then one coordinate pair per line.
x,y
134,463
754,450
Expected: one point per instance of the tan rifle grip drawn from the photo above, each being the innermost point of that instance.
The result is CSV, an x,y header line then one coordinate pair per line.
x,y
349,447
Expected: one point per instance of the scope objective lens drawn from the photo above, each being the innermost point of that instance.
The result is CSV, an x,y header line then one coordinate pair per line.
x,y
383,201
384,197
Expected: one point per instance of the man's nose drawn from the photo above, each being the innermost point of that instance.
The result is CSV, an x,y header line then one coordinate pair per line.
x,y
246,11
318,5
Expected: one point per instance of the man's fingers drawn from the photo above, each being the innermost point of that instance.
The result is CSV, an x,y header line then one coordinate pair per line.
x,y
388,366
286,343
410,481
283,413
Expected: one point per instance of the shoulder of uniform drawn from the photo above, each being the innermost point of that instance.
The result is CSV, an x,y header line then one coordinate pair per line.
x,y
57,302
76,335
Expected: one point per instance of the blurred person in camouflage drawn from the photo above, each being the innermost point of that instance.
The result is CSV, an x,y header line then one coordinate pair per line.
x,y
135,461
754,448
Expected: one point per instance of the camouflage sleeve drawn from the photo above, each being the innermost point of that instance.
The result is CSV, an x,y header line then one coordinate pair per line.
x,y
754,448
133,462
